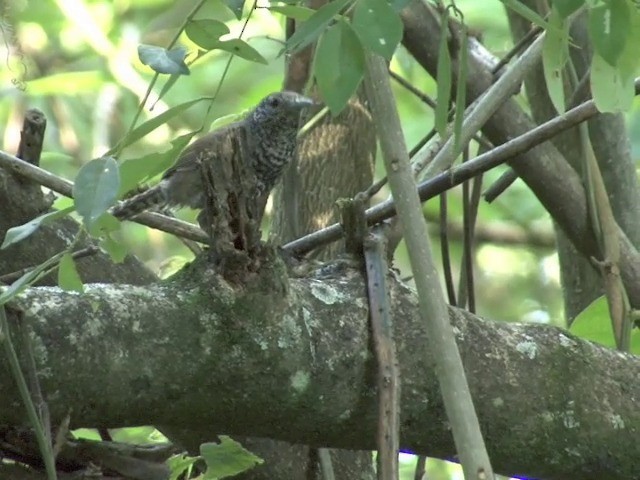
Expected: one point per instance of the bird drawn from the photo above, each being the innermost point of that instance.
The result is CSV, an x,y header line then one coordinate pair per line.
x,y
265,138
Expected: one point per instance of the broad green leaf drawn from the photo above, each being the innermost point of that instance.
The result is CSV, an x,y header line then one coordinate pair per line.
x,y
555,52
68,277
227,458
19,233
178,464
28,278
236,7
611,92
564,8
150,125
162,60
310,30
293,11
338,65
609,29
241,49
206,33
443,80
96,188
137,170
378,26
115,249
594,324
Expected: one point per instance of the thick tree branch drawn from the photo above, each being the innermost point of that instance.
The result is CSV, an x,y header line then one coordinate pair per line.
x,y
290,359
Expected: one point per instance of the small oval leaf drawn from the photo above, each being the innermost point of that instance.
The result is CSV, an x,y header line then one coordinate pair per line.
x,y
241,49
162,60
96,188
206,33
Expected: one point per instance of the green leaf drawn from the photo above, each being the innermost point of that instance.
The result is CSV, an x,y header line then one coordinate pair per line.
x,y
378,26
104,224
171,81
206,33
525,12
116,250
611,91
68,277
150,125
96,188
28,278
137,170
310,30
594,324
338,65
629,60
236,7
609,29
19,233
564,8
162,60
293,11
461,91
178,464
443,80
555,52
227,458
242,49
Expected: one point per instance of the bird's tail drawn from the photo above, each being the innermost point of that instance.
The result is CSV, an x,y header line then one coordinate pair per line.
x,y
137,204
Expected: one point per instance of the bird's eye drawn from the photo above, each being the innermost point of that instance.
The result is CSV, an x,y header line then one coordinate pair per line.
x,y
274,102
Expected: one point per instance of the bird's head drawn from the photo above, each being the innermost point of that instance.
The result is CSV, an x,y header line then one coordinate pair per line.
x,y
281,107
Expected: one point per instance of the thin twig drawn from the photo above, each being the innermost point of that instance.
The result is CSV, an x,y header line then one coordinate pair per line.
x,y
388,439
65,187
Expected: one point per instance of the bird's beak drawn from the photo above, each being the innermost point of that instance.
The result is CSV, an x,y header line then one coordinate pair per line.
x,y
304,102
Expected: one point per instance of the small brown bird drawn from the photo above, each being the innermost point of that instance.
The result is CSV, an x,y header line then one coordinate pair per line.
x,y
267,137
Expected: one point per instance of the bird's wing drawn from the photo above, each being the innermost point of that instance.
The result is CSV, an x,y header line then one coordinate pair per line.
x,y
204,165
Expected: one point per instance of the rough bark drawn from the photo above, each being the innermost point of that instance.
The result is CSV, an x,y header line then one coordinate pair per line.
x,y
290,359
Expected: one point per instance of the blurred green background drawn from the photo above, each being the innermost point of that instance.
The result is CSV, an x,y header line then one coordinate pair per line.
x,y
76,61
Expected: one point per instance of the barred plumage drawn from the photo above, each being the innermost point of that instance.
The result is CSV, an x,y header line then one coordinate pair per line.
x,y
268,136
